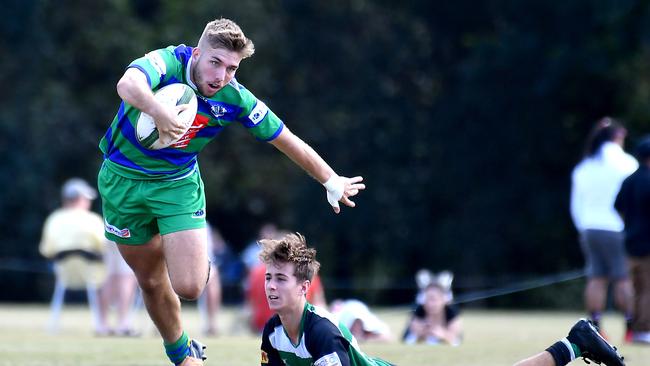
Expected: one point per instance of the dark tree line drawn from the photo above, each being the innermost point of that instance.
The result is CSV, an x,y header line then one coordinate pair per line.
x,y
464,117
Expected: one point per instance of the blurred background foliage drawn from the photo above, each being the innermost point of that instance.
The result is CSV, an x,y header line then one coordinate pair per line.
x,y
465,119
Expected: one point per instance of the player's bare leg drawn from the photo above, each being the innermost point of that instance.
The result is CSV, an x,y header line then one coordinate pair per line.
x,y
187,261
540,359
595,297
163,305
583,341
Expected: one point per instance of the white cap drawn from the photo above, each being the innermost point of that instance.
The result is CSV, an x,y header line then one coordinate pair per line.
x,y
352,310
77,187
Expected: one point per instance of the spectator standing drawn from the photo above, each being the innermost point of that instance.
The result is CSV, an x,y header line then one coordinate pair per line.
x,y
595,183
633,202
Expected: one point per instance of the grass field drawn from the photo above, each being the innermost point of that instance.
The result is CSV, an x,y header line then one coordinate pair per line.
x,y
491,338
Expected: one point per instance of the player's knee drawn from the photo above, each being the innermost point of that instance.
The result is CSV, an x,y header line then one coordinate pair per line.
x,y
188,290
150,283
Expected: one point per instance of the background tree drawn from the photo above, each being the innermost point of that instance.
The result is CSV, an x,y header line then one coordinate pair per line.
x,y
464,117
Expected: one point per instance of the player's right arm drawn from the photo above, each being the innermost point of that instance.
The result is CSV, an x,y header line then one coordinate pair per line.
x,y
270,356
134,89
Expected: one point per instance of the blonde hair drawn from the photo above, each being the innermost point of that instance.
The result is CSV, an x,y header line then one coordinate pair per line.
x,y
224,33
292,248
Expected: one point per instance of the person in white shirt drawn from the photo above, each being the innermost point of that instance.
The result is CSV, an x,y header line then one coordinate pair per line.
x,y
596,181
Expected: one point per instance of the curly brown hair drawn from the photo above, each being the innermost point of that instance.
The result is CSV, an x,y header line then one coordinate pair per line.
x,y
291,248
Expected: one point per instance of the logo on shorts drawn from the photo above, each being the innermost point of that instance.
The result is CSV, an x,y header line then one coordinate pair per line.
x,y
199,214
122,233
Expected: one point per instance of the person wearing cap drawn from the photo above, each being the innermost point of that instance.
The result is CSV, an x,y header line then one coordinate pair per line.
x,y
364,325
73,229
73,238
633,203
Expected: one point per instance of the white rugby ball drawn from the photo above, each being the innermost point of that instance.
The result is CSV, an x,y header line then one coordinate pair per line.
x,y
172,95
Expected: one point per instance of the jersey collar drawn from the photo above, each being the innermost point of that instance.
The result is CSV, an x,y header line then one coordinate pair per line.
x,y
188,78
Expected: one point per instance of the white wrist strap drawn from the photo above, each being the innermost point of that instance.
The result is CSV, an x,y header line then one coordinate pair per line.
x,y
334,187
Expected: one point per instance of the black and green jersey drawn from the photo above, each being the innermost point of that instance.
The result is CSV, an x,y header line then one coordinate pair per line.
x,y
322,342
124,154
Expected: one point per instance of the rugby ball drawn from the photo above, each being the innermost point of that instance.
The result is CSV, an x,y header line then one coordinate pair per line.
x,y
172,95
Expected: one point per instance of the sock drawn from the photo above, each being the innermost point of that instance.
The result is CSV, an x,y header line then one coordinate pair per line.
x,y
178,350
563,352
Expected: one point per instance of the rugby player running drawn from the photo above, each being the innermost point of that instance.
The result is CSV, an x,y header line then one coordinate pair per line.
x,y
153,200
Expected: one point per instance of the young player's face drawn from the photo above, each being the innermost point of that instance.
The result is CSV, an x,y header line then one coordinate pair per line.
x,y
213,68
283,290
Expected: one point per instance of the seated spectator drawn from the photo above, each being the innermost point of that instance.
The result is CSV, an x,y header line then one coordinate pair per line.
x,y
362,323
73,238
434,321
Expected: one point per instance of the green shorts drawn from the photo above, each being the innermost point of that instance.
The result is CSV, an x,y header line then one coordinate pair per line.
x,y
136,210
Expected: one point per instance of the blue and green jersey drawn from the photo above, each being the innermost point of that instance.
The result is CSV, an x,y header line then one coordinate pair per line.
x,y
124,155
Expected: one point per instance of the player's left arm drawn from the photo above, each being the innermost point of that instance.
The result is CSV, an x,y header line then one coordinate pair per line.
x,y
339,189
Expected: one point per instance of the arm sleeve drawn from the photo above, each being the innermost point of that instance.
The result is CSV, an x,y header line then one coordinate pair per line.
x,y
158,65
258,119
575,203
327,345
270,356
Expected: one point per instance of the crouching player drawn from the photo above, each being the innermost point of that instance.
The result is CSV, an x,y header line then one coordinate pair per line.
x,y
303,335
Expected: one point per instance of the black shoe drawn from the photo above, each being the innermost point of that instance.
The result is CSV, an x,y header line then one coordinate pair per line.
x,y
592,345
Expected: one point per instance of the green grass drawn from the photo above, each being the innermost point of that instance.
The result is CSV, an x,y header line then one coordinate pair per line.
x,y
491,338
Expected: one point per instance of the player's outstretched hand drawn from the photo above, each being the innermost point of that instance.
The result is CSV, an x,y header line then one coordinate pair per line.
x,y
340,189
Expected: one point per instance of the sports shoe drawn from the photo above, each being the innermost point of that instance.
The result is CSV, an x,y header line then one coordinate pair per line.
x,y
592,345
196,356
